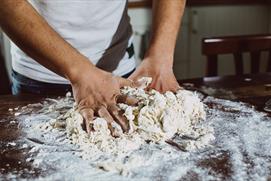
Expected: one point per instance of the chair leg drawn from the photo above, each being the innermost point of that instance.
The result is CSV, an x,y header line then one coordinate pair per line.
x,y
212,65
238,61
255,62
269,62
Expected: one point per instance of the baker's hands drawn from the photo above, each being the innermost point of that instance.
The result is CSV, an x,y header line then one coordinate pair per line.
x,y
160,71
97,93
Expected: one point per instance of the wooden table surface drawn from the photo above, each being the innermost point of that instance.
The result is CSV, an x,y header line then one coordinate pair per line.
x,y
247,88
252,89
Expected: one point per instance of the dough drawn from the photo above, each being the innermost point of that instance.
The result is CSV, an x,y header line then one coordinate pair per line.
x,y
156,118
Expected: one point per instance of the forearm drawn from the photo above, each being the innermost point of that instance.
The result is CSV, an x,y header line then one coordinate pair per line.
x,y
30,32
167,15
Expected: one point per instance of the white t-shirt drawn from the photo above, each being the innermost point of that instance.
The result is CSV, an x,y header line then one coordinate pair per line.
x,y
99,29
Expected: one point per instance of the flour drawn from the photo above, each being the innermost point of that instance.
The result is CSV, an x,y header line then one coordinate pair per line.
x,y
241,150
218,92
155,119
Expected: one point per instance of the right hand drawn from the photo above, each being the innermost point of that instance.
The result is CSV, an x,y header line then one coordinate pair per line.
x,y
97,93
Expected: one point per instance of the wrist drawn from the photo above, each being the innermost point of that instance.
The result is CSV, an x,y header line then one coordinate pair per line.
x,y
161,54
161,46
80,69
160,58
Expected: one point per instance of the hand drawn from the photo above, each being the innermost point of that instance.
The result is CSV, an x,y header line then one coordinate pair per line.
x,y
96,93
162,75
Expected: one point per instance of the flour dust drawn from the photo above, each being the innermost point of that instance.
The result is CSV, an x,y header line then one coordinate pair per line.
x,y
62,149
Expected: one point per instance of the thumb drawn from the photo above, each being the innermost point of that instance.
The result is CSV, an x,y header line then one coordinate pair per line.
x,y
133,76
125,82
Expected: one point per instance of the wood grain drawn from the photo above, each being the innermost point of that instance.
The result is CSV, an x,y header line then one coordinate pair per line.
x,y
254,90
11,156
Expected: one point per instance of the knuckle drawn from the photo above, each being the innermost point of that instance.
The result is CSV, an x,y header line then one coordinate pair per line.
x,y
115,112
113,109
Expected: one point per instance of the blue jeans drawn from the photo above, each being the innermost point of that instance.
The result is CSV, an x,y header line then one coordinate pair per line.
x,y
25,85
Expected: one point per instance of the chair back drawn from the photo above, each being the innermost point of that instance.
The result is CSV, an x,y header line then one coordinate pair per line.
x,y
236,45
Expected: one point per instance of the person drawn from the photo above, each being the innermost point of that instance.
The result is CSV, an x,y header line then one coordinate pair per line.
x,y
86,46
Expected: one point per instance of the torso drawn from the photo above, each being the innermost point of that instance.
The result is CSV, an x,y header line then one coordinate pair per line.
x,y
99,29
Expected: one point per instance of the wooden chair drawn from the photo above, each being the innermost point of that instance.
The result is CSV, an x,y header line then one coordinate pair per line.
x,y
4,80
236,45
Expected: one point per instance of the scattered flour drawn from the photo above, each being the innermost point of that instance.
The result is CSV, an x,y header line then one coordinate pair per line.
x,y
12,143
241,150
218,92
156,118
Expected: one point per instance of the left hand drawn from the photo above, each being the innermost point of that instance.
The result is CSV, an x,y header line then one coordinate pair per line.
x,y
161,72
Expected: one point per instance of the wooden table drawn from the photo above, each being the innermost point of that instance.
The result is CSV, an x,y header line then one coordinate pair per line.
x,y
247,88
252,89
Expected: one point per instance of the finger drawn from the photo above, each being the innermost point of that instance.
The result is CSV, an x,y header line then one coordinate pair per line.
x,y
116,96
176,88
119,117
103,113
131,101
125,82
153,85
88,115
164,88
133,76
180,88
140,84
161,88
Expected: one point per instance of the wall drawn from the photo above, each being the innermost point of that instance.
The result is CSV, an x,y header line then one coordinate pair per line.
x,y
199,22
206,21
223,21
141,22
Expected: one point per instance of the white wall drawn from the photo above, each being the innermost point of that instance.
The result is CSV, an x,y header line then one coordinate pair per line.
x,y
206,21
223,21
141,22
